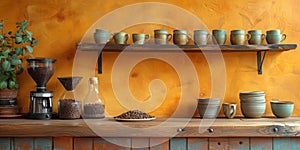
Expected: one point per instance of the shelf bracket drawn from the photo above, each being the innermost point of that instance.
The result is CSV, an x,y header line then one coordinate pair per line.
x,y
260,61
100,62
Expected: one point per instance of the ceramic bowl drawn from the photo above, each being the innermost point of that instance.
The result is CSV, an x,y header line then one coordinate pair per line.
x,y
253,110
209,101
252,97
208,110
282,109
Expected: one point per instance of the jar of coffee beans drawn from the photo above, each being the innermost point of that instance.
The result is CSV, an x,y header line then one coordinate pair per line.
x,y
93,105
69,105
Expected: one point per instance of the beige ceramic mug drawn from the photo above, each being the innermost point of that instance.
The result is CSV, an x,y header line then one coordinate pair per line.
x,y
139,38
180,37
121,38
238,37
162,36
229,109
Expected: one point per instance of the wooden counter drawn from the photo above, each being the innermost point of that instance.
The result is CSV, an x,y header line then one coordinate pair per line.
x,y
159,134
161,127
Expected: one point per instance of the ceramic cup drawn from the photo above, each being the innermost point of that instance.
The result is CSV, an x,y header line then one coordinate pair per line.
x,y
256,37
101,36
229,109
120,38
208,107
162,36
275,37
219,36
180,37
201,37
238,37
139,38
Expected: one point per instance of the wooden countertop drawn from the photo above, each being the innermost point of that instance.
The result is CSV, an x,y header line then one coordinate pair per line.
x,y
161,127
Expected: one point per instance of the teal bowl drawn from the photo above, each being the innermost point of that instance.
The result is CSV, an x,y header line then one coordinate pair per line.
x,y
282,109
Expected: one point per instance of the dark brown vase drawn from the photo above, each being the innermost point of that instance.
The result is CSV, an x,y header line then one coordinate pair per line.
x,y
8,94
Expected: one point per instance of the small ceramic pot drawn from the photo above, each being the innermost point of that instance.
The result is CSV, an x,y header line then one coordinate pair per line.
x,y
256,37
253,110
208,107
219,36
282,109
101,36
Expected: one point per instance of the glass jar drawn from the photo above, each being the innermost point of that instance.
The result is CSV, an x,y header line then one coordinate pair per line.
x,y
69,105
93,106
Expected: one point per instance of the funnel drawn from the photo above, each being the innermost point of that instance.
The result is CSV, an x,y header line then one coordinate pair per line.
x,y
69,83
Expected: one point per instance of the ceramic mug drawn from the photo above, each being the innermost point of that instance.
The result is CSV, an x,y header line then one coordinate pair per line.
x,y
120,38
229,109
201,37
180,37
219,36
139,38
238,37
101,36
275,37
256,37
162,36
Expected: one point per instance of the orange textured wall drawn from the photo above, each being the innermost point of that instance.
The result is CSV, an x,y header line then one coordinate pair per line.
x,y
60,24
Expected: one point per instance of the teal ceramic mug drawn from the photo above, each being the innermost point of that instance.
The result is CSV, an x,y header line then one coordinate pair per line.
x,y
275,37
201,37
162,36
219,36
139,38
256,37
101,36
238,37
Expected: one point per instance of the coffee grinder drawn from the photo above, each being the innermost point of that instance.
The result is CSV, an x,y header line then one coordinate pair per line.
x,y
40,70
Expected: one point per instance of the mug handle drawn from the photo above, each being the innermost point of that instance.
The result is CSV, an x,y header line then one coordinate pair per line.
x,y
208,37
189,37
248,37
283,37
233,111
147,36
263,36
169,36
127,36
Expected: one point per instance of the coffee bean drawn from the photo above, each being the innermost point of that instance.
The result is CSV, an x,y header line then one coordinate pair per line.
x,y
134,114
69,109
93,111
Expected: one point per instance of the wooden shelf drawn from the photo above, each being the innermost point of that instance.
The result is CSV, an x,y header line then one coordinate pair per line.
x,y
221,127
186,48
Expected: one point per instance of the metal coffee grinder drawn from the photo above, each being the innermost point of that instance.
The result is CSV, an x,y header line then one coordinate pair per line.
x,y
40,70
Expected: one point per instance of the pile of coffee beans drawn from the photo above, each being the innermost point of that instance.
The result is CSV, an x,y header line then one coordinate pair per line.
x,y
134,114
93,111
69,109
41,75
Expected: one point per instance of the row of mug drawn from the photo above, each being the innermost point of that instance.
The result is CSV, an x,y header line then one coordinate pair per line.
x,y
201,37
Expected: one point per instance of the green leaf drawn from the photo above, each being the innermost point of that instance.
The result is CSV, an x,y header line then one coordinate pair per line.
x,y
1,36
17,86
6,65
15,60
29,48
6,52
29,35
18,51
1,26
35,42
3,85
20,69
11,84
18,40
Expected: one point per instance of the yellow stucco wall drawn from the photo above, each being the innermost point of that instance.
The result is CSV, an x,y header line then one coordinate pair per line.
x,y
60,24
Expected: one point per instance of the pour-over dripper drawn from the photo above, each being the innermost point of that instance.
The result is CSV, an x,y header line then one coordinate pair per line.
x,y
69,83
40,70
69,104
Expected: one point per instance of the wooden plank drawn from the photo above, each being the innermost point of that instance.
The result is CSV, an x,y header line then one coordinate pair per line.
x,y
112,144
178,144
63,143
140,143
5,143
218,143
221,127
159,144
286,143
261,143
23,144
83,143
42,143
197,143
186,48
239,143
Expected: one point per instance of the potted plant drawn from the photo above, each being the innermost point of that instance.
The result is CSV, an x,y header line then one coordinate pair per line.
x,y
14,47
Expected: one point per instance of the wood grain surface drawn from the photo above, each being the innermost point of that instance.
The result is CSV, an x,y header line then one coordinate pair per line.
x,y
240,127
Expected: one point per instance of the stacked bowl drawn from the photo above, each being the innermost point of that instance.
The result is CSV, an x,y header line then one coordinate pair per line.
x,y
208,107
253,104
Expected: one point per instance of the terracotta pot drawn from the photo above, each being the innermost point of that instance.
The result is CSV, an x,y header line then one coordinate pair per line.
x,y
7,94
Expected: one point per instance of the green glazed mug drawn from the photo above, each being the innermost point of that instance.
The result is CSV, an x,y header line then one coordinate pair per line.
x,y
256,37
275,37
139,38
219,36
101,36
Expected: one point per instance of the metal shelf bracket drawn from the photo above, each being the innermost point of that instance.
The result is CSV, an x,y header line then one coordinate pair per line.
x,y
100,62
260,61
